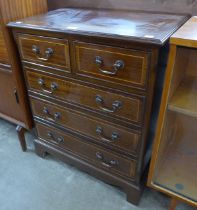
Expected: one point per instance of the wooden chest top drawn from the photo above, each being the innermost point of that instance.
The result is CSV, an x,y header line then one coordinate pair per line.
x,y
137,26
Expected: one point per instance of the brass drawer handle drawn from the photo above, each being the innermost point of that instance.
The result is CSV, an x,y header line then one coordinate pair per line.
x,y
118,65
51,117
48,53
105,163
57,140
53,86
115,106
114,136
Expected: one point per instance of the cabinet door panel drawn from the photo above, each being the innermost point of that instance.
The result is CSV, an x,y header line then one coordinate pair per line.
x,y
8,104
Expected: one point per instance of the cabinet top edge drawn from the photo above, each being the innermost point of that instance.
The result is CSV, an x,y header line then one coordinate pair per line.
x,y
186,35
154,28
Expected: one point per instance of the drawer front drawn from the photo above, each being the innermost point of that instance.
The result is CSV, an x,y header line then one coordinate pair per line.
x,y
96,155
127,67
108,103
101,131
48,51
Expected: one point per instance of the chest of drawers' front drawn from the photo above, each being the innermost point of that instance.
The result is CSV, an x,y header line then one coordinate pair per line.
x,y
91,98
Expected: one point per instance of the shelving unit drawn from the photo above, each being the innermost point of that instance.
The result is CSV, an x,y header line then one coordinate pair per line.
x,y
173,167
185,98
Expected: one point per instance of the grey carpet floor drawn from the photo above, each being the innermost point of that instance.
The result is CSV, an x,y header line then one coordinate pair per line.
x,y
28,182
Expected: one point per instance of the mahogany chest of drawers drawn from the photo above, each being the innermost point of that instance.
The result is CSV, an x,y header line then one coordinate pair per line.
x,y
90,76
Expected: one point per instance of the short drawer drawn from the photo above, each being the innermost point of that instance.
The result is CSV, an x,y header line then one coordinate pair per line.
x,y
103,132
91,153
113,64
115,105
51,52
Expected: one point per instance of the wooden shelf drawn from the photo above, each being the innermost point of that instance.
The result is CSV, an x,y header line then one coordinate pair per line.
x,y
185,98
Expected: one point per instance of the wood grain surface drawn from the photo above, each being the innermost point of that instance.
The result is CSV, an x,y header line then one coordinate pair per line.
x,y
4,58
137,26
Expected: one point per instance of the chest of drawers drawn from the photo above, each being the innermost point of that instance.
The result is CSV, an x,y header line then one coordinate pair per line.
x,y
90,76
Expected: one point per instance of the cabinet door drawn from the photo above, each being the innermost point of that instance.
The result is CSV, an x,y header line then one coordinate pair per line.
x,y
174,162
9,108
13,101
11,77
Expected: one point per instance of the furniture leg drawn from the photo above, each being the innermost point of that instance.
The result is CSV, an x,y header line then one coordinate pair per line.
x,y
133,195
39,151
173,204
21,136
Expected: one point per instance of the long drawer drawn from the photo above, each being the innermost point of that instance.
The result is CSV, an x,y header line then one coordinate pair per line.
x,y
103,132
115,105
96,155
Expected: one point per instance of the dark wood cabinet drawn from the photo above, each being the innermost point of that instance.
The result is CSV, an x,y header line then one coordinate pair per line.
x,y
14,105
90,76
